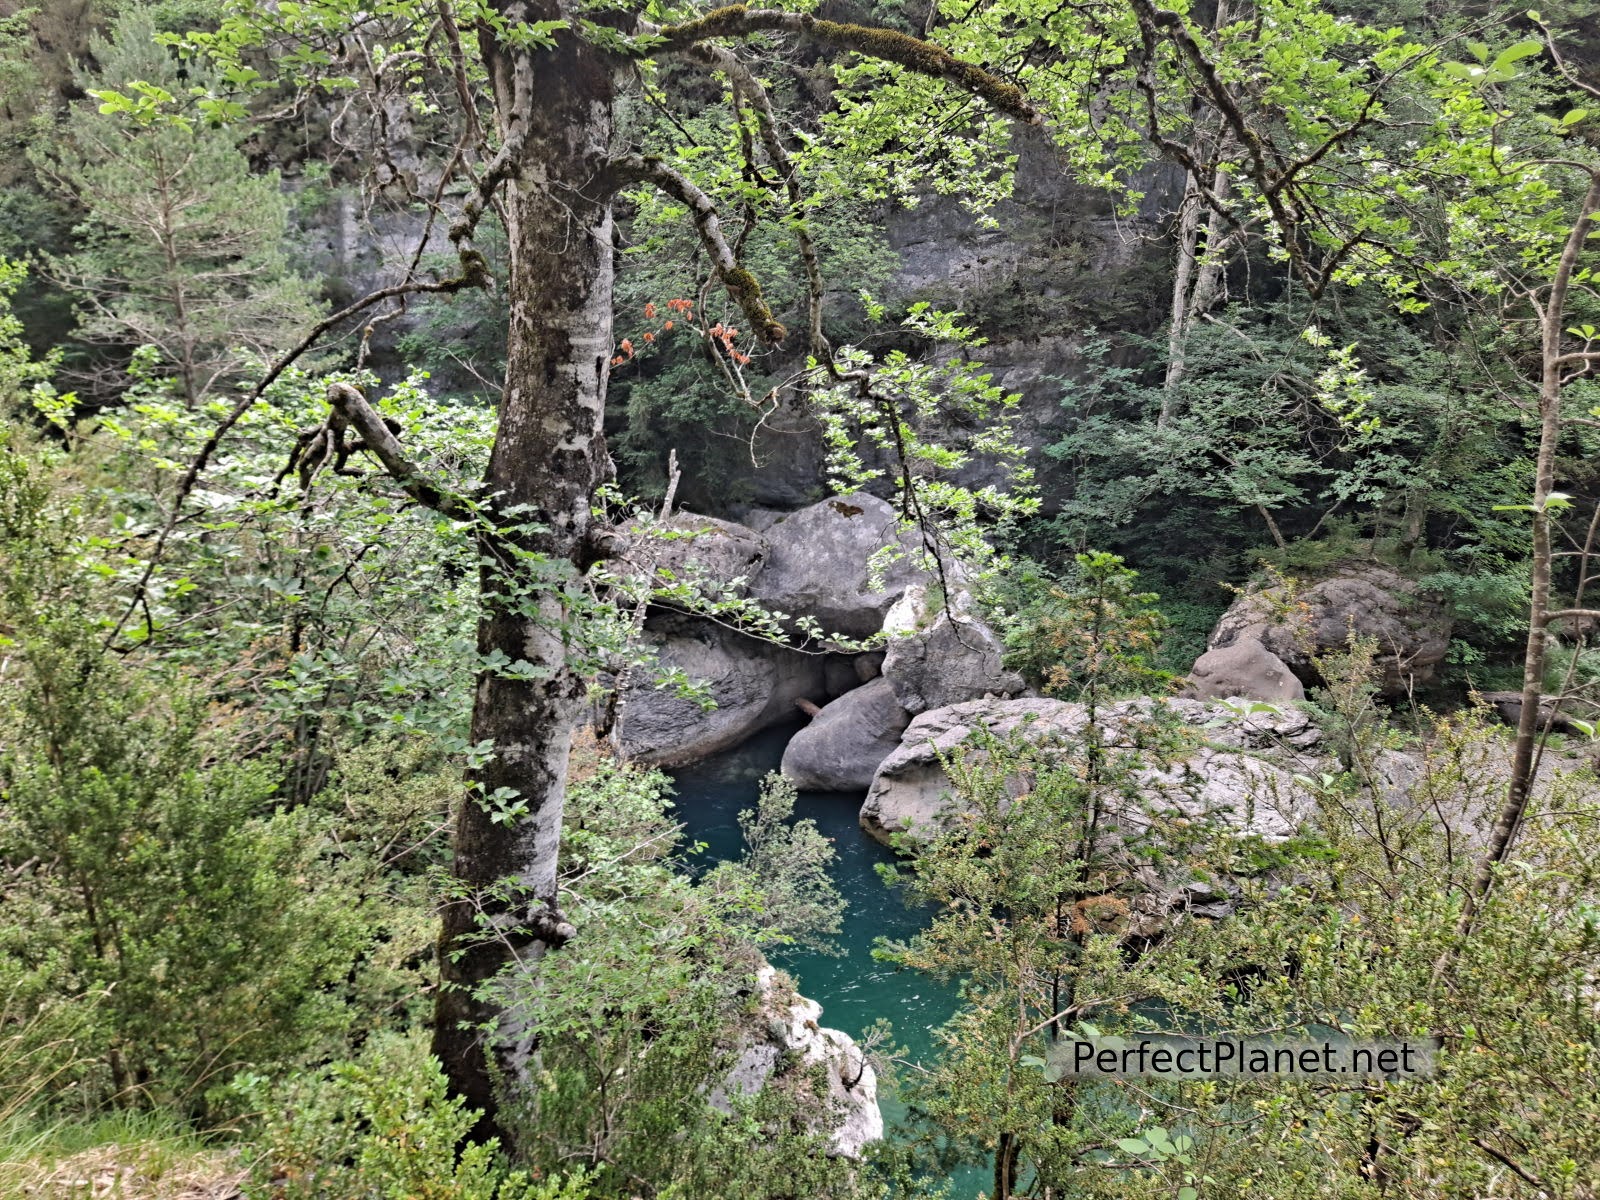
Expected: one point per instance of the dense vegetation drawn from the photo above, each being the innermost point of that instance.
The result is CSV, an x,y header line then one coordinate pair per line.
x,y
339,342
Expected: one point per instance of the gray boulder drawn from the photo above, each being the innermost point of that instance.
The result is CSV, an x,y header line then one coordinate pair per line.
x,y
842,747
1239,772
754,685
820,560
839,673
1558,716
954,659
1412,631
1244,668
689,546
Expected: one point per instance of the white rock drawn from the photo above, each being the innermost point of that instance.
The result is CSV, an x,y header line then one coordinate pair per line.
x,y
790,1027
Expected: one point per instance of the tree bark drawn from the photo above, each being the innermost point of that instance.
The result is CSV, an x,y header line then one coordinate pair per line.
x,y
548,457
1182,275
1196,281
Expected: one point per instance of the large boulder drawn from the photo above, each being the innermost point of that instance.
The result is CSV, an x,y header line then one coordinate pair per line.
x,y
784,1042
1239,771
1556,715
1410,630
952,658
687,546
1244,668
754,685
841,749
820,561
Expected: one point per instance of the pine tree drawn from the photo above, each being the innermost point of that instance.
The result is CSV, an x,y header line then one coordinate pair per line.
x,y
180,247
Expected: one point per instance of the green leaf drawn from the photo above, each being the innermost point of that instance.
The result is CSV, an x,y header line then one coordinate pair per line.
x,y
1516,53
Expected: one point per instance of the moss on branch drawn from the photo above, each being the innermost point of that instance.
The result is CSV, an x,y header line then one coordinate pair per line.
x,y
887,45
745,291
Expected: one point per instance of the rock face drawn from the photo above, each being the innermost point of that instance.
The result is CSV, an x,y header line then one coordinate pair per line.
x,y
787,1030
754,685
820,559
1227,777
1412,633
956,658
842,747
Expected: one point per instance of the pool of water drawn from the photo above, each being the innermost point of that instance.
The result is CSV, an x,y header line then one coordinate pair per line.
x,y
853,989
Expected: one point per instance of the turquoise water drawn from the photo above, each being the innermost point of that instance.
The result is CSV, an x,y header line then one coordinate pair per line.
x,y
853,989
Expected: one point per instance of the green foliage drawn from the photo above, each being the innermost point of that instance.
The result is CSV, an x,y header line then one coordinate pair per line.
x,y
892,432
675,395
645,1011
383,1127
1349,930
266,591
786,862
1035,874
1092,635
129,824
224,773
1251,429
24,377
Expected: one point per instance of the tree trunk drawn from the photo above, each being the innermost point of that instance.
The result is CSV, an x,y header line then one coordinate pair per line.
x,y
1183,273
1196,282
1209,279
1552,321
548,457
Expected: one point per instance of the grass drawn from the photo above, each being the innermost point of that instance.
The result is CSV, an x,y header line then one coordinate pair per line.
x,y
126,1156
129,1155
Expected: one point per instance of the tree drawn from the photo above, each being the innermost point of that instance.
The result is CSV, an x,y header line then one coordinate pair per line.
x,y
127,826
1547,296
538,89
180,246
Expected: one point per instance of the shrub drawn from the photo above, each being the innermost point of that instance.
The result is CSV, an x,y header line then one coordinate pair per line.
x,y
383,1127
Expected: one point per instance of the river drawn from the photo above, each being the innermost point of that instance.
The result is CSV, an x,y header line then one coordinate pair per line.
x,y
853,989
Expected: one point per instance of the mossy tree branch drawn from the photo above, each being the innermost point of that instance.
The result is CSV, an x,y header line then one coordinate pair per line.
x,y
871,41
741,285
349,402
746,85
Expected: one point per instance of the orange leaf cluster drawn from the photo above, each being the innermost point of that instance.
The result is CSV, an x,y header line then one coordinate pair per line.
x,y
725,334
625,348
